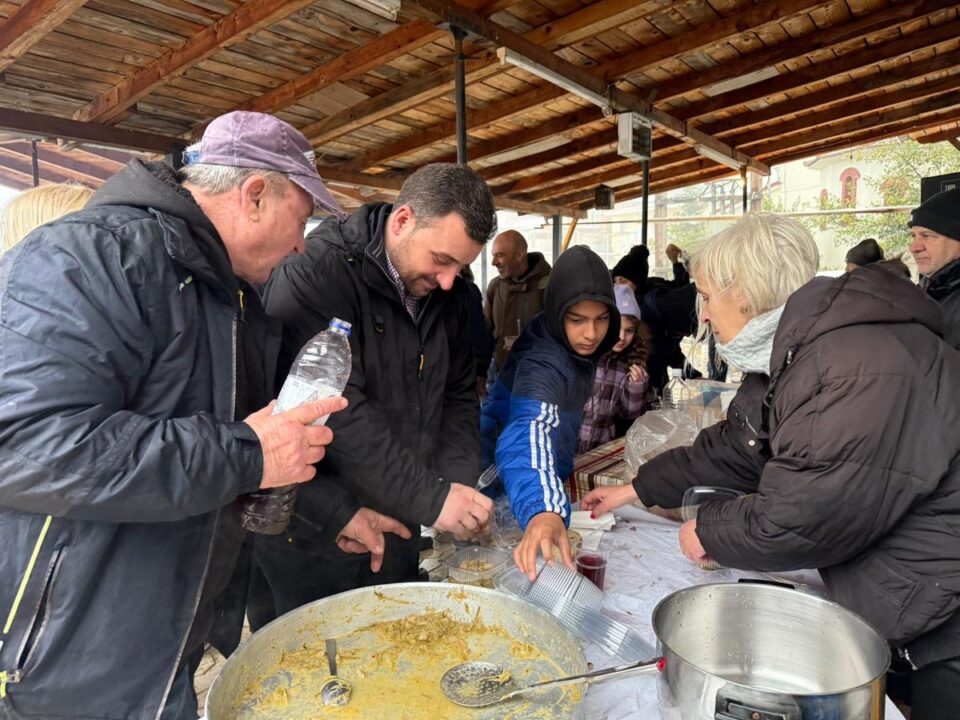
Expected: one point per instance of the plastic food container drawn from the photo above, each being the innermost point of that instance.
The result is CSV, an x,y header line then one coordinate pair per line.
x,y
476,565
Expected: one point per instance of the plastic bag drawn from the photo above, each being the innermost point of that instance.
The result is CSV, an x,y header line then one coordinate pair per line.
x,y
655,432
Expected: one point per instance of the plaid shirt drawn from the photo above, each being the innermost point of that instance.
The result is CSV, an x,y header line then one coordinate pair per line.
x,y
614,396
411,303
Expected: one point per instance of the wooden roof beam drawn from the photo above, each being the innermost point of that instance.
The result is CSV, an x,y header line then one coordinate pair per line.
x,y
549,177
945,134
247,20
603,138
35,125
355,62
393,181
843,93
517,140
874,22
818,72
819,39
48,171
571,28
866,106
696,39
620,101
29,24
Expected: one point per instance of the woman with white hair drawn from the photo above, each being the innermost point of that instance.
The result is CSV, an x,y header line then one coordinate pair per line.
x,y
849,448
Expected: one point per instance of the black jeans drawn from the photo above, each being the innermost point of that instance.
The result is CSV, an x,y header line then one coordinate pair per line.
x,y
935,691
286,574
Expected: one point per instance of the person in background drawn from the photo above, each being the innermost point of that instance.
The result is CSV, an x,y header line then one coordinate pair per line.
x,y
409,444
680,275
860,414
481,339
897,266
516,295
37,206
863,253
135,414
935,226
531,419
620,381
632,269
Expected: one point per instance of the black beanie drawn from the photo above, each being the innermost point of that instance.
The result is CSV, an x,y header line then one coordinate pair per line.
x,y
634,266
865,252
941,213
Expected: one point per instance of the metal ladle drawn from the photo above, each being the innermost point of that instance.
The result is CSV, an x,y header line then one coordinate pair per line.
x,y
335,691
478,684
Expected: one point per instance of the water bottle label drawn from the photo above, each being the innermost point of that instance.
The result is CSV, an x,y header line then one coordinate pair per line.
x,y
296,392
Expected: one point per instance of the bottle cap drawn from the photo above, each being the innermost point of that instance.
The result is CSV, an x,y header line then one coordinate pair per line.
x,y
341,325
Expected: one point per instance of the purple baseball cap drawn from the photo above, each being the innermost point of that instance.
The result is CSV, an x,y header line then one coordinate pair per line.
x,y
257,140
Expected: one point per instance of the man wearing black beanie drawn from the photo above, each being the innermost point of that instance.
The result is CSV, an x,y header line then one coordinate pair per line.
x,y
935,225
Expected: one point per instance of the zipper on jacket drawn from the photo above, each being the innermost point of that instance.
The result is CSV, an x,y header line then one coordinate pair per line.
x,y
34,631
243,307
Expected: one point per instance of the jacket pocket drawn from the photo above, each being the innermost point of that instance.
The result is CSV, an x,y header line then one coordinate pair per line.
x,y
41,616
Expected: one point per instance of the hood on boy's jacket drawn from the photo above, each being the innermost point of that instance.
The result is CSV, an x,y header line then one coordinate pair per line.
x,y
579,274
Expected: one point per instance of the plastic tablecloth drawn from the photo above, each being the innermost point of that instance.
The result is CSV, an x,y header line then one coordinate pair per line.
x,y
645,565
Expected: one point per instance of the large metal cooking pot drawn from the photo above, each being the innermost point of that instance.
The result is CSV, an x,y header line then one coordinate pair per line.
x,y
341,614
744,651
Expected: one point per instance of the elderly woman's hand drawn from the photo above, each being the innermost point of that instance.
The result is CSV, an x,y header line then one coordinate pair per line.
x,y
607,498
690,544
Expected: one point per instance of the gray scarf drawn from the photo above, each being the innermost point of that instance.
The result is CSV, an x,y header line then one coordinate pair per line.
x,y
751,349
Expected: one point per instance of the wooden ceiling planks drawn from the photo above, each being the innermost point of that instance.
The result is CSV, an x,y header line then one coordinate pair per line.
x,y
375,93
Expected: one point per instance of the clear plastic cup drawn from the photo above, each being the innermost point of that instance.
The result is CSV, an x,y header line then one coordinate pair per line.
x,y
592,564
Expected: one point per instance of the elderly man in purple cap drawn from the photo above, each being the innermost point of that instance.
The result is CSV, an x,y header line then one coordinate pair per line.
x,y
135,385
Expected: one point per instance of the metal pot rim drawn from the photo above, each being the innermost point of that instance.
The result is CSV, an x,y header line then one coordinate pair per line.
x,y
766,587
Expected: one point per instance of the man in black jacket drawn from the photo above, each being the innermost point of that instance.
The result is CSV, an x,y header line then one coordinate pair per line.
x,y
409,444
137,361
936,248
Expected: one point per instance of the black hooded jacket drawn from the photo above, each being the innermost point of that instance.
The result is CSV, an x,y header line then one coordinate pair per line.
x,y
531,419
124,356
944,287
863,481
411,426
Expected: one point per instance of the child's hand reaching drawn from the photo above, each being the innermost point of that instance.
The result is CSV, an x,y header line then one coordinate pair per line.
x,y
638,374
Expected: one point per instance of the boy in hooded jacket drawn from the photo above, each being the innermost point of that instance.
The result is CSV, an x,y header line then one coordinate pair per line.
x,y
530,421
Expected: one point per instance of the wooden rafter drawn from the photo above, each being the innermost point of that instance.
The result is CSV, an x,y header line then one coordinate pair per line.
x,y
821,71
391,183
31,22
750,19
571,28
35,125
238,26
821,39
602,139
697,39
352,63
620,101
945,87
939,136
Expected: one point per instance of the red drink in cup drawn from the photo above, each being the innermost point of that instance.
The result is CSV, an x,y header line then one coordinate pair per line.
x,y
593,566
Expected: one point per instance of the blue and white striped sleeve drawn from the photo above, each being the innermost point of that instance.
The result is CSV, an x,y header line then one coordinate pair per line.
x,y
527,451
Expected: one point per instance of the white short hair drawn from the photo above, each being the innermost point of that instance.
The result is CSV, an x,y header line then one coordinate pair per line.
x,y
216,179
765,257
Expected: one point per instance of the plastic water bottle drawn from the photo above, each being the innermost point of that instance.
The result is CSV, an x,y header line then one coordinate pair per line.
x,y
676,393
321,370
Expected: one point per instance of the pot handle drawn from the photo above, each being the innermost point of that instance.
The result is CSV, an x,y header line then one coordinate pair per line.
x,y
775,583
734,705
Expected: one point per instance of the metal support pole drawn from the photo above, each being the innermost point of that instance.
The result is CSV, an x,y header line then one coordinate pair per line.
x,y
557,232
460,95
646,202
36,163
743,180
